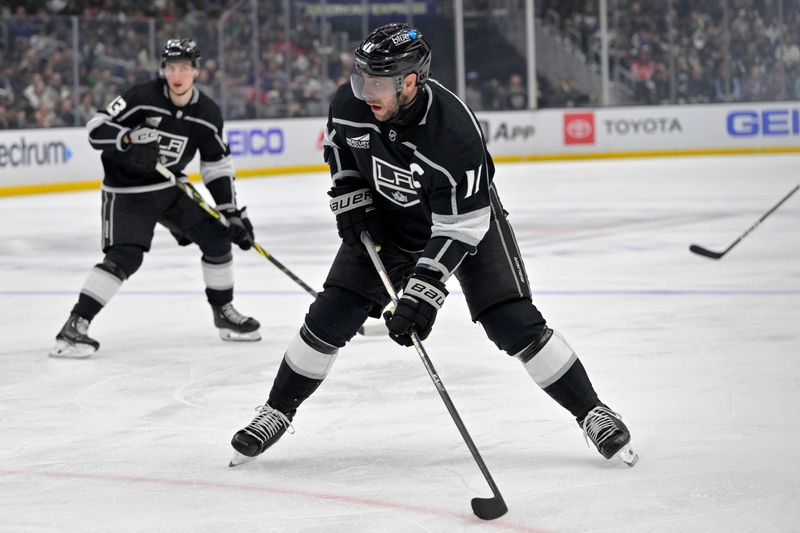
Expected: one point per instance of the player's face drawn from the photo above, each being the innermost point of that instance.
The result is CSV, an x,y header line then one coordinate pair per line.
x,y
180,76
380,95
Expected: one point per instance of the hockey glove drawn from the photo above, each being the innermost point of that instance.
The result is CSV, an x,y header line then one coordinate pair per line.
x,y
416,310
240,231
142,149
354,214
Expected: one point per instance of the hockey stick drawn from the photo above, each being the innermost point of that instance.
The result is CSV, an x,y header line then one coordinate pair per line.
x,y
484,508
705,252
196,197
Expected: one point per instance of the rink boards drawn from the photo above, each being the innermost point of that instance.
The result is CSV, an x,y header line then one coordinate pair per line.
x,y
57,159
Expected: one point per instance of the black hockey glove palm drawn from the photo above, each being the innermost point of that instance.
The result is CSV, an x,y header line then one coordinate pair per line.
x,y
416,310
354,214
142,149
240,231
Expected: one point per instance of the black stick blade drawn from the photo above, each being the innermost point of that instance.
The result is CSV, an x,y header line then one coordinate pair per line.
x,y
699,250
489,508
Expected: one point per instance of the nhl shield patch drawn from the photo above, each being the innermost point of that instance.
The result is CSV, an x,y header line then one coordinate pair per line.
x,y
394,183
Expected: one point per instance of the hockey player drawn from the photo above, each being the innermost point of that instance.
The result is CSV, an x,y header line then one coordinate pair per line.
x,y
409,166
164,120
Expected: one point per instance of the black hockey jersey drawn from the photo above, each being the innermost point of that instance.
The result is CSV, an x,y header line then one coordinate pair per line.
x,y
182,132
430,179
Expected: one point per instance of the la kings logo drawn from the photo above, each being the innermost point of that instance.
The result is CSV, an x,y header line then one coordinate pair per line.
x,y
171,147
396,184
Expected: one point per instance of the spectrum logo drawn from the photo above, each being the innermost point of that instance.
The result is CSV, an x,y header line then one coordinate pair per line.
x,y
26,154
579,128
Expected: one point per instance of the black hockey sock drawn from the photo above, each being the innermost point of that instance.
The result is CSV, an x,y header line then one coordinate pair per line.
x,y
218,276
218,297
290,389
101,285
574,391
87,307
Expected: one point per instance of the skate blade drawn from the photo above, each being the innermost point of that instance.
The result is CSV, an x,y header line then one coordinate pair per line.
x,y
65,350
239,336
239,459
627,455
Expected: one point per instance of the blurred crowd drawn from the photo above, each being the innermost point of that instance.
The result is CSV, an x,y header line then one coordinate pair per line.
x,y
118,42
694,51
61,60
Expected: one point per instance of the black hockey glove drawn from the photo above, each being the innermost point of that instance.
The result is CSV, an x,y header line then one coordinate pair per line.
x,y
142,149
240,231
416,310
355,213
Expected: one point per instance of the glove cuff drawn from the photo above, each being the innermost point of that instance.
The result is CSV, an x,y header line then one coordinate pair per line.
x,y
427,290
351,200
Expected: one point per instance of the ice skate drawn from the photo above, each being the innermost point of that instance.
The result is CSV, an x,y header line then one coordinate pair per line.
x,y
267,427
609,434
72,341
234,326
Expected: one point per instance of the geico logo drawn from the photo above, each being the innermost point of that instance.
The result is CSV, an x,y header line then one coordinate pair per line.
x,y
648,126
749,123
24,153
256,141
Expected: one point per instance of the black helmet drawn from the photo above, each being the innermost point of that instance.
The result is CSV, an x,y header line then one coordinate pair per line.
x,y
180,50
396,49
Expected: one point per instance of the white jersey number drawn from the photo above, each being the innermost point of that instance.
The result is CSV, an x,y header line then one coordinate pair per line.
x,y
115,107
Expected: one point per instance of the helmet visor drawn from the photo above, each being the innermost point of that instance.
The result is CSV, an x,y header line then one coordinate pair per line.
x,y
366,87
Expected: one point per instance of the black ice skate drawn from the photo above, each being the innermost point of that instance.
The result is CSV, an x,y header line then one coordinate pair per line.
x,y
72,341
609,434
267,427
234,326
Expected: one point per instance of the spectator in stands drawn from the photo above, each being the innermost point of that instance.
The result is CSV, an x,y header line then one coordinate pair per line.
x,y
86,109
473,95
516,94
65,116
643,69
755,86
699,85
727,87
44,117
5,124
38,93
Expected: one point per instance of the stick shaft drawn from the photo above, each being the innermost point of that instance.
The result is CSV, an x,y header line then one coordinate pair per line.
x,y
423,355
199,200
700,250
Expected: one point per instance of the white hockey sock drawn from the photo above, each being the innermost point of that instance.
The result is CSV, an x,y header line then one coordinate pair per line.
x,y
218,277
101,285
551,362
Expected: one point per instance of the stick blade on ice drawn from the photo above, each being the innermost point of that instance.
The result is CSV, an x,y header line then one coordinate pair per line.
x,y
705,252
489,508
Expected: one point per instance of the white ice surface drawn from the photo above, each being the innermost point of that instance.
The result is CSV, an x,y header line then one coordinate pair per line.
x,y
701,357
